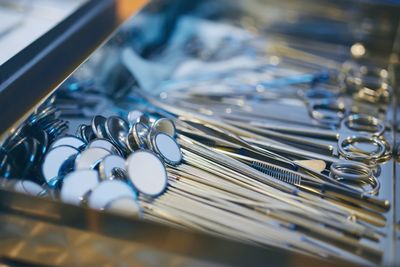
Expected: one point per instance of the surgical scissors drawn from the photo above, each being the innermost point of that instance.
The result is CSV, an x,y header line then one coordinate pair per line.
x,y
340,171
358,138
317,106
228,132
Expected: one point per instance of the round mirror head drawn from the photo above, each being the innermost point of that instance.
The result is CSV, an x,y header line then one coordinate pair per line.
x,y
108,166
167,148
147,172
134,116
164,125
28,187
69,140
117,130
137,137
98,126
125,206
105,144
90,157
55,160
107,191
77,184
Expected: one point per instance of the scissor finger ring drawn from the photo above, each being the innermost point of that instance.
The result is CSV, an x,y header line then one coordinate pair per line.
x,y
349,148
364,123
355,172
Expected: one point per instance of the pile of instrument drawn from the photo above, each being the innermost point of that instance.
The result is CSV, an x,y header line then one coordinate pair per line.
x,y
248,138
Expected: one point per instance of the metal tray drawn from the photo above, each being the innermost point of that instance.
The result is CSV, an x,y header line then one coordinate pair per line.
x,y
44,232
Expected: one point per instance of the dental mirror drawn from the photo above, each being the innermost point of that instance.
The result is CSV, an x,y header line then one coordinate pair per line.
x,y
117,130
108,165
147,172
88,133
90,157
165,146
69,140
55,159
137,136
98,126
85,133
76,185
105,144
79,131
28,187
108,191
164,125
25,154
125,206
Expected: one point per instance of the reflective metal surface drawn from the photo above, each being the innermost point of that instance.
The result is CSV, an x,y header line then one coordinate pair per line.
x,y
110,165
77,184
231,146
167,148
107,192
74,236
147,172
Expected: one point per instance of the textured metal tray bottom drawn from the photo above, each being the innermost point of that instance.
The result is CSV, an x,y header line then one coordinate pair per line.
x,y
27,240
40,232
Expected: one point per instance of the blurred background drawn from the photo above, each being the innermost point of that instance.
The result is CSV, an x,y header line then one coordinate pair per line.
x,y
23,21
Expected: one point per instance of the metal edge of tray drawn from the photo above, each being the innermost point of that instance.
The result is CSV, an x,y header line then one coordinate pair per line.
x,y
154,236
28,77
